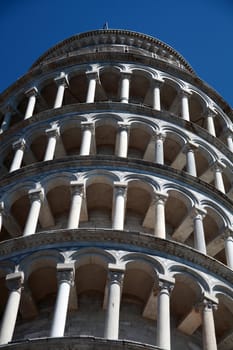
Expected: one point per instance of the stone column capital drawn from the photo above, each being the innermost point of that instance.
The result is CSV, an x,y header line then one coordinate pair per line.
x,y
36,194
54,131
62,79
32,91
208,302
190,145
229,131
156,82
185,92
219,166
123,126
228,232
77,187
159,197
159,135
198,210
166,282
116,273
126,74
211,113
66,273
19,144
14,281
121,187
92,75
88,126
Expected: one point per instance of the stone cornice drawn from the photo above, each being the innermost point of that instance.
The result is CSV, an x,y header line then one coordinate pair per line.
x,y
110,163
112,37
113,239
114,107
114,57
77,343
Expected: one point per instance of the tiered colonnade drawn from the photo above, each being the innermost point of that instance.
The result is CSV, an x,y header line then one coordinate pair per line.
x,y
120,200
137,85
128,136
136,151
208,298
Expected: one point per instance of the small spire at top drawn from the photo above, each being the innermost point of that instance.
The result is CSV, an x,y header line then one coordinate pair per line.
x,y
105,26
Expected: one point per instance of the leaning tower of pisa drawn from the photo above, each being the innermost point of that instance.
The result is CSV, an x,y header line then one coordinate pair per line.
x,y
115,201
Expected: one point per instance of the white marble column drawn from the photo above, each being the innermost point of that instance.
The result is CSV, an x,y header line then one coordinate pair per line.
x,y
53,133
228,241
14,283
88,129
77,190
65,276
210,122
124,88
62,84
189,150
1,214
115,281
119,203
18,147
6,119
36,198
218,179
229,137
123,139
198,229
209,304
159,153
163,313
92,80
185,104
31,94
156,86
160,222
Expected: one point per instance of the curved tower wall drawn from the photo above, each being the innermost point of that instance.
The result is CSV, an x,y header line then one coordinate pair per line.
x,y
116,201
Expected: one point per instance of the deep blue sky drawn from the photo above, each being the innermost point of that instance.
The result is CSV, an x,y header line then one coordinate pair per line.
x,y
200,30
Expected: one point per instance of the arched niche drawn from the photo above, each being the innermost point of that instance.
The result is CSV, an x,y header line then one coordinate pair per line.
x,y
138,285
78,85
105,138
139,139
99,199
109,77
139,87
139,197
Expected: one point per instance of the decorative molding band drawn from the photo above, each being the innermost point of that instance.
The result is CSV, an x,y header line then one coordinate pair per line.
x,y
86,163
77,343
114,107
139,40
107,238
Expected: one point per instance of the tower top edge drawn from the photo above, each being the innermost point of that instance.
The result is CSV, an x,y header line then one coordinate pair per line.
x,y
143,43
